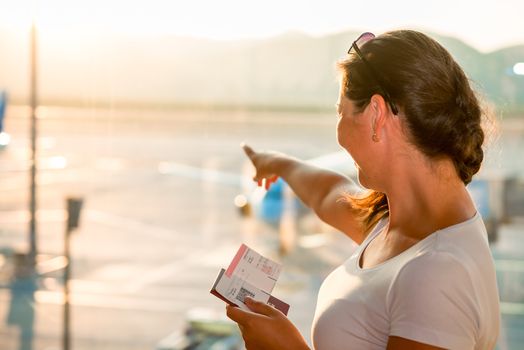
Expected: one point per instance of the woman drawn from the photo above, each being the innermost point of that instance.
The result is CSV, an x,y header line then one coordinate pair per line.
x,y
423,276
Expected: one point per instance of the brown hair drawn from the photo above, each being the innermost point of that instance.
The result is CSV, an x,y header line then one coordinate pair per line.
x,y
440,111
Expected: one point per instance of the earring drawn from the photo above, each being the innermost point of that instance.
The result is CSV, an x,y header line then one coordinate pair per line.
x,y
375,137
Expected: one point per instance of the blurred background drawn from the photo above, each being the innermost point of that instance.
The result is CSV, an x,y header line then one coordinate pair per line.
x,y
120,128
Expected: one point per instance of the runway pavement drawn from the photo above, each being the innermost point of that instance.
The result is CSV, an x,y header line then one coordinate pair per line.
x,y
159,222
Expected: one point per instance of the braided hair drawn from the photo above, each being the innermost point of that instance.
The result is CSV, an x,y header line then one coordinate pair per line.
x,y
441,112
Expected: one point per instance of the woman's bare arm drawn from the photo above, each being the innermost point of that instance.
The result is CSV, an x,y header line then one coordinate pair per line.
x,y
320,189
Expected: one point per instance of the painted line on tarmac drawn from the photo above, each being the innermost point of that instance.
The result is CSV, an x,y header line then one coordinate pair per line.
x,y
204,257
161,273
117,301
508,308
23,216
100,217
509,265
202,174
47,178
93,287
168,271
133,225
174,301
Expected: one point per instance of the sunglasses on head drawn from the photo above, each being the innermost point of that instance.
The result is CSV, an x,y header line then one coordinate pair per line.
x,y
355,47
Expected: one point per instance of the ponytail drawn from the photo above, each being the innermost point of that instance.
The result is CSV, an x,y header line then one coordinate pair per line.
x,y
372,206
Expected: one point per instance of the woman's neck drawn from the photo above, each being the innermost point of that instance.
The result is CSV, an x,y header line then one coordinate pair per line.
x,y
427,198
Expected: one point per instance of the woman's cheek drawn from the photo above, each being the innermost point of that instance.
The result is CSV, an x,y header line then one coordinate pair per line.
x,y
342,134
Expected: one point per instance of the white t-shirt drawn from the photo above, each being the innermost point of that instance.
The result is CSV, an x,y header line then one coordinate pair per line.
x,y
441,291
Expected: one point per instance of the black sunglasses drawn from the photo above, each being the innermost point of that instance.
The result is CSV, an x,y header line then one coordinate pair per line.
x,y
361,40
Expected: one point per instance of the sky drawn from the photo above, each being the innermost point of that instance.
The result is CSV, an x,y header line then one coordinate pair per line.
x,y
486,25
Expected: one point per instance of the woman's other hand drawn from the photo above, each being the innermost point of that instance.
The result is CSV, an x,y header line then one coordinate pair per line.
x,y
266,328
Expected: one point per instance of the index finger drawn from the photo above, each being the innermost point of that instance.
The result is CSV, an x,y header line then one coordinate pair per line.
x,y
248,150
238,315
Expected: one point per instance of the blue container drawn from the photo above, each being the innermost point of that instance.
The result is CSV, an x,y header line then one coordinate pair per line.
x,y
479,190
3,103
273,203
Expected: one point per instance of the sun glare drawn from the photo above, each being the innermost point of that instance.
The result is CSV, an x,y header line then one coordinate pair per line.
x,y
200,18
519,68
237,19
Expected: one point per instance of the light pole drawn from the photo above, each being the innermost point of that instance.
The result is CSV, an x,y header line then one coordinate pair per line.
x,y
33,106
74,206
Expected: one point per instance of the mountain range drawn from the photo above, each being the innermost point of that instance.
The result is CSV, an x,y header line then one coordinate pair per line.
x,y
292,70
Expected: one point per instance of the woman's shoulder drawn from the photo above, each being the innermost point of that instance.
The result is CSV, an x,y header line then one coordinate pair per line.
x,y
458,255
458,246
431,263
465,244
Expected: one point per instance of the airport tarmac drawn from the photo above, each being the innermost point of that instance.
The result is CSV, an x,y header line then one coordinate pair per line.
x,y
158,223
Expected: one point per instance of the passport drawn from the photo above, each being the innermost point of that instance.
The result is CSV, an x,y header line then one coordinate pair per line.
x,y
249,274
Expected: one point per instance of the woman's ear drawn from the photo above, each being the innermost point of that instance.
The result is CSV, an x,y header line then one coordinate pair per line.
x,y
378,104
379,112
